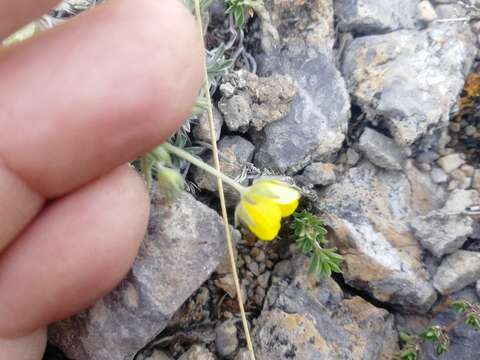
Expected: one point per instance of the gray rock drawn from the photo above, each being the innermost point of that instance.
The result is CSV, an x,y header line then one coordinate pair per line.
x,y
451,162
184,245
427,157
457,271
197,352
353,157
226,340
478,288
381,150
451,11
320,174
372,16
315,127
201,131
439,176
410,78
369,211
309,319
442,233
237,112
268,99
235,154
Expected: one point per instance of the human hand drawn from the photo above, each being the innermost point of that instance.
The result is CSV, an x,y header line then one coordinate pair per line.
x,y
76,103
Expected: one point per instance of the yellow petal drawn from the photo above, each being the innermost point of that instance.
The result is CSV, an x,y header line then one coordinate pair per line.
x,y
262,217
288,209
283,194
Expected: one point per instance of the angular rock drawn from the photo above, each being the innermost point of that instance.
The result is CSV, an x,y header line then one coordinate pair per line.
x,y
439,176
372,16
309,319
183,246
234,154
315,127
320,174
451,11
443,233
237,111
451,162
197,352
381,150
410,78
457,271
426,11
369,211
201,131
249,100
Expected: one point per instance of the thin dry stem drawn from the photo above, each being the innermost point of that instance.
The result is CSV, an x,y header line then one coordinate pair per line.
x,y
222,195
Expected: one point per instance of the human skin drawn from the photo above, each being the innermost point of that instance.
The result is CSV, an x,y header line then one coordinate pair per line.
x,y
76,103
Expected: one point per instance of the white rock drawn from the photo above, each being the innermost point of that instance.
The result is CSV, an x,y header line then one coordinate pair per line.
x,y
457,271
426,11
451,162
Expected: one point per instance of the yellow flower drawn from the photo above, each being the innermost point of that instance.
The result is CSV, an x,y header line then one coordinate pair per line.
x,y
263,205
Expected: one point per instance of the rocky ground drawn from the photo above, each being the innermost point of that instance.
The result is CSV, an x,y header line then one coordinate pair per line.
x,y
370,107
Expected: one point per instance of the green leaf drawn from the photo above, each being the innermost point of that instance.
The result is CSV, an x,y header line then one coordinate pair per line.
x,y
473,320
459,306
431,334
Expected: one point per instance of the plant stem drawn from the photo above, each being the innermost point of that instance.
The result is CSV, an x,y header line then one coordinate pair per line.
x,y
202,165
221,194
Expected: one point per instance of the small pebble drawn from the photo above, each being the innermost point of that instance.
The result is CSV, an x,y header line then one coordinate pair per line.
x,y
259,296
283,268
453,184
263,279
253,267
455,127
470,130
451,162
424,167
226,340
352,157
468,170
426,11
438,176
427,157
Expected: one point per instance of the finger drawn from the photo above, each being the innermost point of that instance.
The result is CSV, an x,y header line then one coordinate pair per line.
x,y
97,91
16,13
29,347
18,205
74,252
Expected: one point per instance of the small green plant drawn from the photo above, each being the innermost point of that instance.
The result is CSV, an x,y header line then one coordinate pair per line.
x,y
438,335
241,10
310,238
